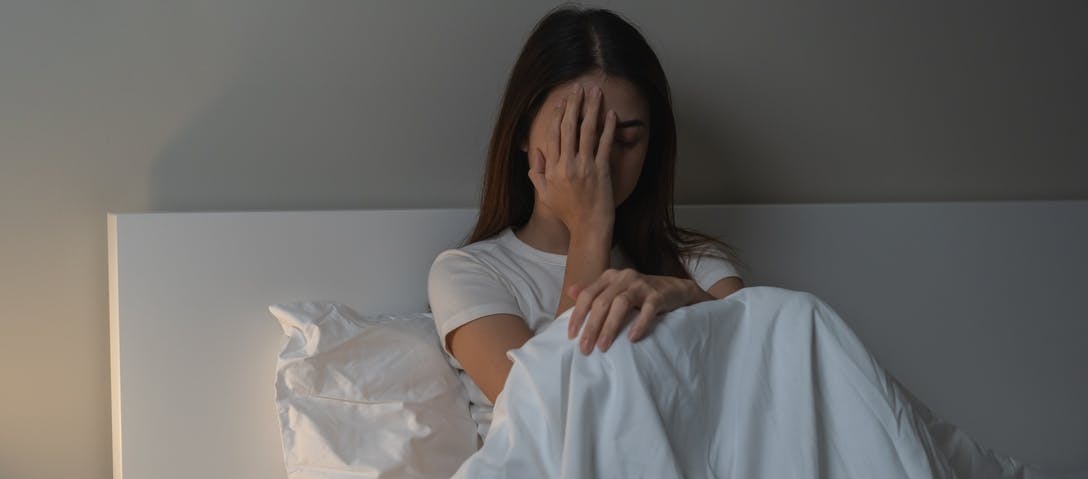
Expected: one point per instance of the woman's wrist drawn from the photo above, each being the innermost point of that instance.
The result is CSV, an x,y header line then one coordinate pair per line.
x,y
599,231
587,258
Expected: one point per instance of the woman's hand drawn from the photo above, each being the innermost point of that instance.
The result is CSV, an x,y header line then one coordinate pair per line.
x,y
572,175
614,294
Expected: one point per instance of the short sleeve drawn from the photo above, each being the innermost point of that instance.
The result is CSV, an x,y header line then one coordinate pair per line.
x,y
707,270
461,289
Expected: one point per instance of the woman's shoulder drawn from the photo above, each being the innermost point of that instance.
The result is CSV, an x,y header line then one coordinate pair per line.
x,y
702,248
478,256
468,275
705,252
479,250
456,258
471,251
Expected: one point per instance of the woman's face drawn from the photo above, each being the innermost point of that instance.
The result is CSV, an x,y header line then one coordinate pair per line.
x,y
632,134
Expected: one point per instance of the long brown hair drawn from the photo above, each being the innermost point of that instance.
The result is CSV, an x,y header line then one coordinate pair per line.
x,y
568,42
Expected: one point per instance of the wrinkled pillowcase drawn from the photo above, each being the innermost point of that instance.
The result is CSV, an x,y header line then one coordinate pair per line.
x,y
367,396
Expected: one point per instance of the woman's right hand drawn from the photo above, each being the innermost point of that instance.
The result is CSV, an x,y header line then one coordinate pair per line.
x,y
572,174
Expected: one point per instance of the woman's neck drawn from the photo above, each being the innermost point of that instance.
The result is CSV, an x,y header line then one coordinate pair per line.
x,y
545,231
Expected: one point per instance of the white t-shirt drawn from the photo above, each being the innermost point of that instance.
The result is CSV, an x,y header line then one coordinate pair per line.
x,y
503,274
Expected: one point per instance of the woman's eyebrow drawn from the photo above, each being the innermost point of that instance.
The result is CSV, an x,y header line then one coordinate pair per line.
x,y
622,124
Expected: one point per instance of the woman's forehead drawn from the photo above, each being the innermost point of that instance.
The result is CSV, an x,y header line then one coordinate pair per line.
x,y
619,93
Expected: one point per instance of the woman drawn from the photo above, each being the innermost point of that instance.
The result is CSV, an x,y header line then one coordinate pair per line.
x,y
576,214
578,200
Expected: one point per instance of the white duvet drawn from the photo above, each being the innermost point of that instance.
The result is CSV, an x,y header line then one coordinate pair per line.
x,y
766,383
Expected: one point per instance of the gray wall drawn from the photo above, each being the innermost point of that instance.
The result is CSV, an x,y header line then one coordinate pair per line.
x,y
132,106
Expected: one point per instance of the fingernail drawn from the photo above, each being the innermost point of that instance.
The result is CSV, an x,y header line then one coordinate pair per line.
x,y
603,344
585,347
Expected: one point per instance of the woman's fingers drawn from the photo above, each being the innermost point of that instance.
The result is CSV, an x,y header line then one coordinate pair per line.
x,y
610,299
582,303
598,313
551,144
604,150
647,313
617,316
568,132
587,145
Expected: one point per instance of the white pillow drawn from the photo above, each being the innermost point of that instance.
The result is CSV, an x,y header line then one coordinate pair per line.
x,y
367,396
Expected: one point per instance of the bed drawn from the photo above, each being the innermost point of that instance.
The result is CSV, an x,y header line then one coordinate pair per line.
x,y
998,347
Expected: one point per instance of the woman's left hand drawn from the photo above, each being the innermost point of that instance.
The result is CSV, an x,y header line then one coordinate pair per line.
x,y
613,294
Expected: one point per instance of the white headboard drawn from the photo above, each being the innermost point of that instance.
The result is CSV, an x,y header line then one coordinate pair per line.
x,y
976,307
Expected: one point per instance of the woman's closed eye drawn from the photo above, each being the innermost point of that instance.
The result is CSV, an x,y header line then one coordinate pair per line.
x,y
618,141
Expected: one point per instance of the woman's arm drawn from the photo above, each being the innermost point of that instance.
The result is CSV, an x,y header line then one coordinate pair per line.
x,y
481,345
720,289
588,256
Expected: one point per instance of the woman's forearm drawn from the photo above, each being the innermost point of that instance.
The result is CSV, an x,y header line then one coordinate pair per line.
x,y
588,255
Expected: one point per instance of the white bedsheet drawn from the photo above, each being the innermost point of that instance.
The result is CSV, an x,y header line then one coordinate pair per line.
x,y
766,383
